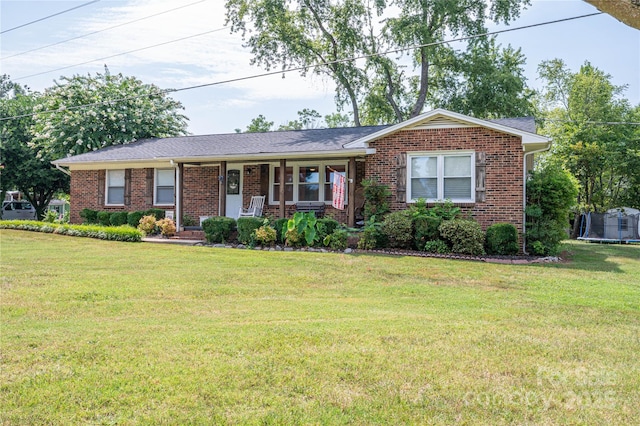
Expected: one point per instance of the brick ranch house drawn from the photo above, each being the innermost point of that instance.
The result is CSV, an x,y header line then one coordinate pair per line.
x,y
479,165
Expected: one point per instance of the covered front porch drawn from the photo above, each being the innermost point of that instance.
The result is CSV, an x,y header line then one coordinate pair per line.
x,y
222,188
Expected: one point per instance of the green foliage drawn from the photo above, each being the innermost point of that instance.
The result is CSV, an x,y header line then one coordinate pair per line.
x,y
280,225
337,240
425,228
89,216
436,246
445,210
463,235
50,216
133,218
121,110
23,169
118,218
372,236
301,228
551,193
157,213
325,227
398,229
376,199
246,228
112,233
188,221
218,229
104,218
265,235
502,238
259,125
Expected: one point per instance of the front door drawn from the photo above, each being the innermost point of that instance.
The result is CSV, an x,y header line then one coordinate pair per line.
x,y
234,191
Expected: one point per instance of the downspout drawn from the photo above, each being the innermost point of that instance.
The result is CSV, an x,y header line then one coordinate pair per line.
x,y
178,198
66,172
524,197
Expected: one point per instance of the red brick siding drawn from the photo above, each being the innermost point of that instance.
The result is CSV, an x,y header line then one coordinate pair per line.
x,y
504,158
200,192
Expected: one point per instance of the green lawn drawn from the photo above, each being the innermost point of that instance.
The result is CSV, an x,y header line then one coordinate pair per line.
x,y
99,332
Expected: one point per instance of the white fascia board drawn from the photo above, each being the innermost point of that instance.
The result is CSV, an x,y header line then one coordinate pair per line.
x,y
526,137
161,162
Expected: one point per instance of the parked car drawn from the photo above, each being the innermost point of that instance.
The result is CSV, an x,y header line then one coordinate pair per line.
x,y
18,210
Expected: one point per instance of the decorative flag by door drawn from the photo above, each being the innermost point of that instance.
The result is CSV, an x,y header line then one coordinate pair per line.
x,y
338,190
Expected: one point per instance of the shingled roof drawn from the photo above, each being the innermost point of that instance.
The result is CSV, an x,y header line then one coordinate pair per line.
x,y
279,144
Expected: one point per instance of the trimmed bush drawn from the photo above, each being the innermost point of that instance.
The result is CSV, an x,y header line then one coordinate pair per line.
x,y
463,235
398,228
147,225
133,218
218,229
425,228
337,240
436,246
118,218
502,238
265,235
167,227
280,225
50,216
104,218
325,227
157,213
120,233
246,228
89,216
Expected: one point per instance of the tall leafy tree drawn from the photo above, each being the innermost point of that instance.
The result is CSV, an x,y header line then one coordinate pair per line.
x,y
380,88
86,113
22,168
594,135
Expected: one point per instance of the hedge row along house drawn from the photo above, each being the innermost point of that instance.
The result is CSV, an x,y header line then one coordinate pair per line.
x,y
480,165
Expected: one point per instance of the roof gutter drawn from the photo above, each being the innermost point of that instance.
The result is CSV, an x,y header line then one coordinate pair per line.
x,y
66,172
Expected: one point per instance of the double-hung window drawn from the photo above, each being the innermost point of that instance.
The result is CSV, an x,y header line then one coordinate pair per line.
x,y
305,181
441,176
115,188
165,187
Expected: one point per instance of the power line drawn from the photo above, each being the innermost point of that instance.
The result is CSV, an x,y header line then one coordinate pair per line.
x,y
120,54
102,30
266,74
49,16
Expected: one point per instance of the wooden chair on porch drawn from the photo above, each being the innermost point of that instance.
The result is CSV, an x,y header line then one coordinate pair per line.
x,y
255,207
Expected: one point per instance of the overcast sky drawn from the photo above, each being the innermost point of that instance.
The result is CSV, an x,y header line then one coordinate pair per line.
x,y
219,55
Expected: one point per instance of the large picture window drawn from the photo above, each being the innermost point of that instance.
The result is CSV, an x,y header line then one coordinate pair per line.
x,y
165,186
115,188
441,176
305,182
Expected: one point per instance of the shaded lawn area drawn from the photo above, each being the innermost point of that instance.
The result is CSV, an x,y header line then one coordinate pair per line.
x,y
99,332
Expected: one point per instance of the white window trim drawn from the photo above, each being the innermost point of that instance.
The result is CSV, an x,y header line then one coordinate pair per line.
x,y
440,175
106,187
155,188
296,172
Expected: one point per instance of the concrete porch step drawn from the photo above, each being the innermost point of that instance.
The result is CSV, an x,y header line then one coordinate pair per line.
x,y
189,235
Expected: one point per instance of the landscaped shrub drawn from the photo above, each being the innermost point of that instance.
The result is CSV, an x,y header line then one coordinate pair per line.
x,y
50,216
157,213
425,228
463,235
445,210
167,227
89,216
246,227
376,199
371,236
265,235
325,227
133,218
337,240
502,238
301,229
218,229
148,225
104,218
436,246
118,218
551,192
120,233
280,225
398,229
188,221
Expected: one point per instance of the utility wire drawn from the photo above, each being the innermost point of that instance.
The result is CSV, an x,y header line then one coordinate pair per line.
x,y
120,54
102,30
49,16
250,77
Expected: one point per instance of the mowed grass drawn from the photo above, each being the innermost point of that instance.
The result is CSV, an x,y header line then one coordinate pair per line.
x,y
99,332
